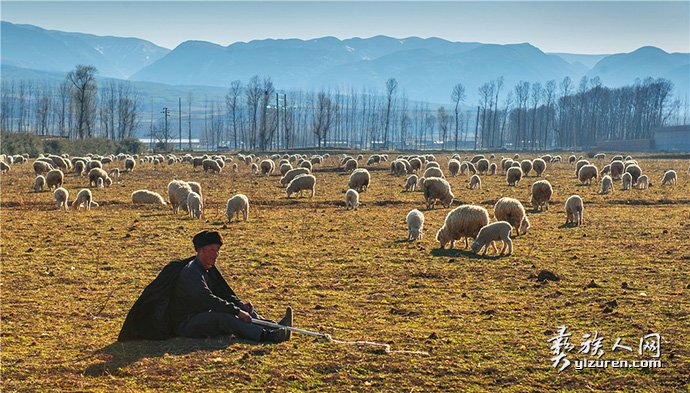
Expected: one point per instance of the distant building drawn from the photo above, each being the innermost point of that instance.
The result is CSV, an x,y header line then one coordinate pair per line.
x,y
676,138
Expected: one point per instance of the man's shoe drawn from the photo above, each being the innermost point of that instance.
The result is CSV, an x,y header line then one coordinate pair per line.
x,y
287,321
277,335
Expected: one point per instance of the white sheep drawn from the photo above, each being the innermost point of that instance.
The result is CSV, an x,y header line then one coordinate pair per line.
x,y
541,195
146,196
539,166
483,166
526,166
115,172
437,189
617,168
61,196
627,181
195,205
433,172
359,180
130,163
177,195
587,173
236,205
643,182
85,198
579,165
291,174
95,174
489,234
475,182
39,183
511,210
669,178
606,184
411,183
453,167
513,176
54,178
301,183
267,167
351,199
351,164
574,210
4,167
415,224
463,221
492,169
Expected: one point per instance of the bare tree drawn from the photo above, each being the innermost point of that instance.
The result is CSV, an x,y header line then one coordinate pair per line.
x,y
84,90
232,102
442,118
322,118
253,93
458,96
391,87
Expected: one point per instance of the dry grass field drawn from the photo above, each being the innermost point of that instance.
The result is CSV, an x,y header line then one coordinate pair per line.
x,y
69,278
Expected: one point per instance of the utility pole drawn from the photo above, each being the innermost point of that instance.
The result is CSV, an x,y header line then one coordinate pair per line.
x,y
476,129
189,119
277,136
166,113
180,119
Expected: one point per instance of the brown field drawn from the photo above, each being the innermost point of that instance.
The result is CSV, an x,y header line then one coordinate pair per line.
x,y
69,278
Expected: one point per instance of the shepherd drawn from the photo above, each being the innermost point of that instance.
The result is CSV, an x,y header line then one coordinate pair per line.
x,y
190,298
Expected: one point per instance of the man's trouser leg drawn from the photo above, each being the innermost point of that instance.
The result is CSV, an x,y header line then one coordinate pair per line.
x,y
212,323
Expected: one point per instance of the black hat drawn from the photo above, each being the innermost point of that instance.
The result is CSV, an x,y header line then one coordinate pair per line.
x,y
205,238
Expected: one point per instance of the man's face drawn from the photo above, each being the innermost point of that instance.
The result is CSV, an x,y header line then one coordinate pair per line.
x,y
208,254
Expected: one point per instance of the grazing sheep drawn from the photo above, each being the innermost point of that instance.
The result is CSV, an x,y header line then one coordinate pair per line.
x,y
59,162
84,197
115,172
617,158
579,165
475,159
399,168
359,180
635,171
516,157
54,178
99,183
4,167
513,176
599,156
301,183
254,168
433,172
61,196
306,164
489,234
617,169
39,183
291,174
94,164
416,164
148,197
95,174
351,165
588,173
415,224
482,166
351,199
194,205
627,181
506,163
177,194
235,168
605,170
541,195
539,166
463,221
437,189
411,183
453,167
643,182
79,168
475,182
669,178
574,210
420,184
236,205
130,163
432,164
211,165
606,184
267,167
41,167
284,168
526,166
511,210
492,169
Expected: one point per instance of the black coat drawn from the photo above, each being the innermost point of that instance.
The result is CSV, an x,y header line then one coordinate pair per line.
x,y
149,319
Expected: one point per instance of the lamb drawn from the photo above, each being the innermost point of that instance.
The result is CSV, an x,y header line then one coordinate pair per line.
x,y
130,163
541,195
39,183
148,197
4,167
95,174
605,170
61,197
617,168
539,166
301,183
489,234
492,169
254,168
439,189
351,199
236,205
483,166
99,183
606,184
463,221
85,198
471,168
359,180
196,187
526,166
415,224
627,181
587,173
267,167
194,205
433,172
669,178
411,183
41,167
115,172
291,174
453,167
574,210
511,210
643,182
235,167
79,168
475,182
211,165
513,176
177,194
54,178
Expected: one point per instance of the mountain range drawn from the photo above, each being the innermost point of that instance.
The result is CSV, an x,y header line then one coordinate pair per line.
x,y
426,69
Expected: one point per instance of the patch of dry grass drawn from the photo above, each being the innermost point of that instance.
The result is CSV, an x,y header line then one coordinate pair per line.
x,y
68,280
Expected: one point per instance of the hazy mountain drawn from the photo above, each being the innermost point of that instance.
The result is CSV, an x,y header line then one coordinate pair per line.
x,y
32,47
587,61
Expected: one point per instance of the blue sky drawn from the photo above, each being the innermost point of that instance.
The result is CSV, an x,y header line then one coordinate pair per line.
x,y
553,26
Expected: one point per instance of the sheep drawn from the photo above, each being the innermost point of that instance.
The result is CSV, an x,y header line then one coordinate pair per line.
x,y
432,164
359,180
539,166
669,178
351,165
54,178
433,172
492,169
617,169
306,164
439,189
60,162
606,184
41,167
130,163
301,183
574,210
475,159
420,183
94,164
99,183
39,183
453,167
579,165
236,205
541,195
351,199
506,163
211,165
291,174
267,167
511,210
587,173
627,181
463,221
411,183
605,170
4,167
284,168
84,197
115,172
471,168
475,182
399,168
483,166
489,234
79,168
146,196
643,182
177,194
95,174
254,168
599,156
516,157
635,171
526,166
194,205
415,224
513,176
61,196
416,164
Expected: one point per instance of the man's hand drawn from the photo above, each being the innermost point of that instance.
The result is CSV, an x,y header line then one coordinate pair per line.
x,y
248,307
244,316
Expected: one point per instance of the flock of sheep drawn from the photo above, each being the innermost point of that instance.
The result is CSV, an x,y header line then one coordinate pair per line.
x,y
463,222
